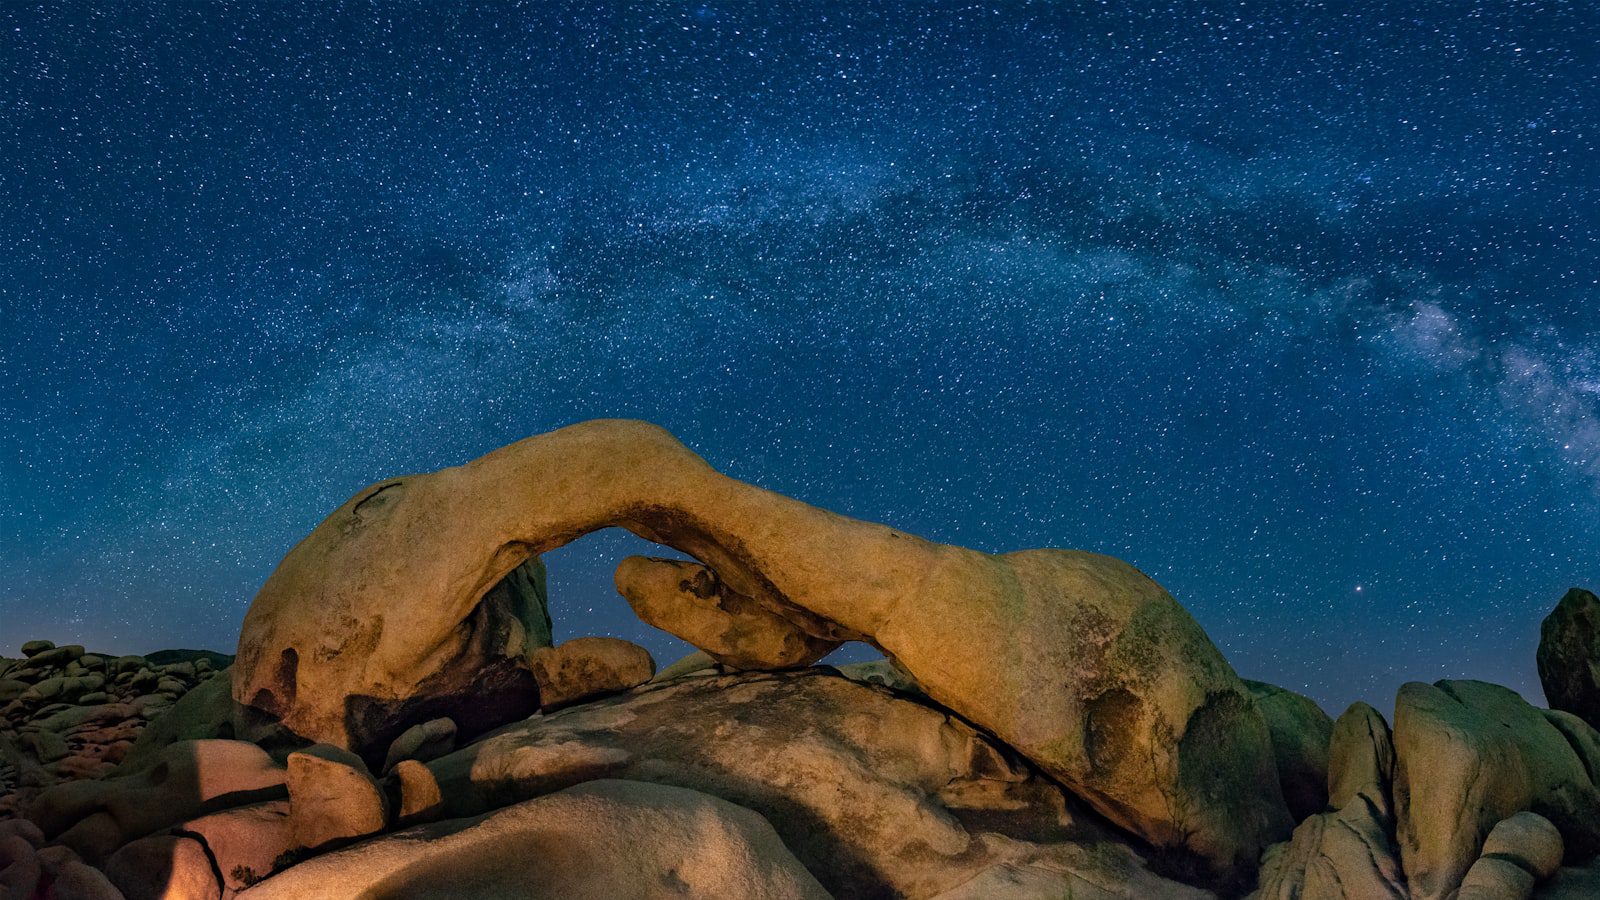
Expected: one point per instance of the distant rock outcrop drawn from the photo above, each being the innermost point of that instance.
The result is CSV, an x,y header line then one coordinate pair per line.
x,y
1569,655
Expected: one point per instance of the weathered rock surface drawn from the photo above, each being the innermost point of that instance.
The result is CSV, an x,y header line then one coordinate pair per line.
x,y
245,843
588,667
333,799
190,779
1529,840
1569,655
687,599
1300,734
1078,661
600,840
877,795
1470,754
1349,853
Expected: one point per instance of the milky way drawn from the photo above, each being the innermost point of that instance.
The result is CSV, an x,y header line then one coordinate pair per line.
x,y
1292,307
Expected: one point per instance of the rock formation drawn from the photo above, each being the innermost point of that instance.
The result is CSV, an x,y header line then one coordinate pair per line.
x,y
1569,656
1047,723
1078,661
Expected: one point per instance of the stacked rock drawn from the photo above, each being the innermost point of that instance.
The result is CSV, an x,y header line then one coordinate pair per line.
x,y
66,714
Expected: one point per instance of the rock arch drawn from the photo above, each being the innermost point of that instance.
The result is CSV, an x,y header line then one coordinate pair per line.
x,y
381,611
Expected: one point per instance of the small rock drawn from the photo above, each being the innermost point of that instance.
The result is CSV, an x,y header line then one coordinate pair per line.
x,y
94,699
34,648
588,667
698,661
1492,878
430,740
332,797
1529,840
420,800
57,656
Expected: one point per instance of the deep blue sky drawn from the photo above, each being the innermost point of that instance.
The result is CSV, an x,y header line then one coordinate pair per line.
x,y
1295,308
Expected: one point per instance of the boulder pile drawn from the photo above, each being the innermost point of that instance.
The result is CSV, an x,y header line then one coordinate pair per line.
x,y
66,714
399,722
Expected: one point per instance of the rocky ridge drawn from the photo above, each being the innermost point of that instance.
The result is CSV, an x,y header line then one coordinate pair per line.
x,y
1045,723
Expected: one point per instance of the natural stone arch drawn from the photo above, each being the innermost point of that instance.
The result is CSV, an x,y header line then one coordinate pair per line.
x,y
377,614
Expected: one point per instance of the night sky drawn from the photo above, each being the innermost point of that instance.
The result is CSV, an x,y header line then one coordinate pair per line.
x,y
1295,308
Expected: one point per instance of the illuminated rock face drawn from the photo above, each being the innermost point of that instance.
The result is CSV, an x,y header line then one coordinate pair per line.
x,y
379,620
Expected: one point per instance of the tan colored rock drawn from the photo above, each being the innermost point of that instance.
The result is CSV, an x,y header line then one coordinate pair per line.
x,y
1079,661
333,799
588,667
1361,759
430,740
420,800
1469,754
164,867
1350,852
698,662
1569,655
597,841
244,842
188,780
876,794
1491,878
687,599
1529,840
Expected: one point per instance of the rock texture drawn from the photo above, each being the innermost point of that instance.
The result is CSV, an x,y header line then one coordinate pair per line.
x,y
600,840
67,715
1348,853
333,799
1300,734
588,667
688,600
1569,655
1079,661
1470,754
877,795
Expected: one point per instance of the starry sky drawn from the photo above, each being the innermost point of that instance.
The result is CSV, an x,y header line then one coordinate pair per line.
x,y
1295,307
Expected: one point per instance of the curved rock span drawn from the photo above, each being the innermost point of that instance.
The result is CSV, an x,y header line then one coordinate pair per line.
x,y
384,615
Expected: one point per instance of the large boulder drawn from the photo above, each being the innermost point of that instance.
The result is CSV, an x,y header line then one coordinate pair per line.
x,y
381,619
600,840
333,799
1469,754
1300,735
876,794
1569,655
1348,853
